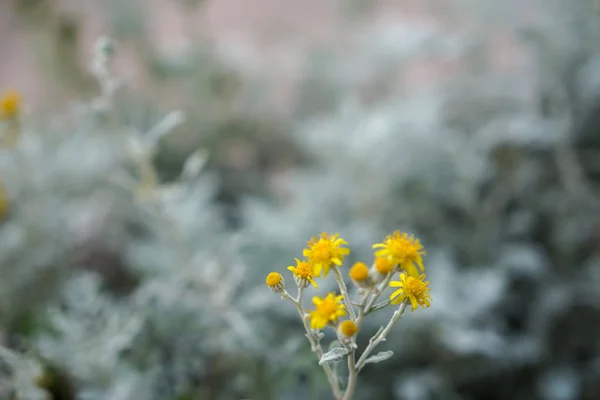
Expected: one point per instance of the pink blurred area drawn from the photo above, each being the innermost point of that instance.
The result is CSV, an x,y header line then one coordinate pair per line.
x,y
272,34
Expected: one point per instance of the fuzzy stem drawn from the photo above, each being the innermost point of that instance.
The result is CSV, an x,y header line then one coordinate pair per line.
x,y
340,281
380,289
352,371
314,342
380,336
352,377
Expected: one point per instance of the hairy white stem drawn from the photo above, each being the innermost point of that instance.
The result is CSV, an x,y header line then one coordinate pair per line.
x,y
315,345
380,336
340,281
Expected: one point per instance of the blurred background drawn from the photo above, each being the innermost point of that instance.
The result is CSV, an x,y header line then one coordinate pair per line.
x,y
157,177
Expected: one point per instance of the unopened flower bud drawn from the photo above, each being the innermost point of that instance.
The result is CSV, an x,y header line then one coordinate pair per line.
x,y
360,275
275,282
346,330
381,268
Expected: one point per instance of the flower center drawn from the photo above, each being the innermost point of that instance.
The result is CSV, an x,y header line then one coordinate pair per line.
x,y
304,270
322,251
413,286
328,308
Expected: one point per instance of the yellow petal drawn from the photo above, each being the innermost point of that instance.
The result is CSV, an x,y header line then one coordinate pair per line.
x,y
413,302
394,295
411,270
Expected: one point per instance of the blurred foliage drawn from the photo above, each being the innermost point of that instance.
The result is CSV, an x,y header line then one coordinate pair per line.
x,y
111,291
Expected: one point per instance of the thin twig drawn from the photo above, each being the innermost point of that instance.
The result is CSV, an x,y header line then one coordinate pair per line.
x,y
340,281
315,345
380,336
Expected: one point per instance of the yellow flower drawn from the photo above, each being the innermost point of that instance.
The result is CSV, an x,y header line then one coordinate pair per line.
x,y
325,251
348,328
275,282
416,290
10,105
303,272
327,310
403,250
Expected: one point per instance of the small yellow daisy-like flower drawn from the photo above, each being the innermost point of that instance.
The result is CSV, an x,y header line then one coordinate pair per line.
x,y
347,328
327,310
325,251
10,105
275,282
403,250
416,290
304,272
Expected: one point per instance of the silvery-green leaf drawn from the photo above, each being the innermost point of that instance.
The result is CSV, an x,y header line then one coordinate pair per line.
x,y
165,126
382,356
333,355
193,164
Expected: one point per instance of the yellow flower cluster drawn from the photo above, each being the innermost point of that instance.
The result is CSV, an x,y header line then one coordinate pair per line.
x,y
397,253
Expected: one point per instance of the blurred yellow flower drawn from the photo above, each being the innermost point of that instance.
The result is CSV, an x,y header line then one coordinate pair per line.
x,y
403,250
304,271
325,251
416,290
327,310
10,105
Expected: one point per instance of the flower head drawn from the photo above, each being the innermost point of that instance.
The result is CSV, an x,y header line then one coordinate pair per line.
x,y
383,265
403,250
327,310
10,105
275,282
304,272
416,290
347,328
325,251
359,272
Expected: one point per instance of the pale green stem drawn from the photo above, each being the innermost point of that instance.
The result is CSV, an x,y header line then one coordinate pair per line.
x,y
352,376
148,175
352,371
380,336
340,281
315,345
381,288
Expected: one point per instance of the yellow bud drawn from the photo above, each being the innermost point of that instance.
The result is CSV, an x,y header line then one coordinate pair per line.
x,y
275,282
348,328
